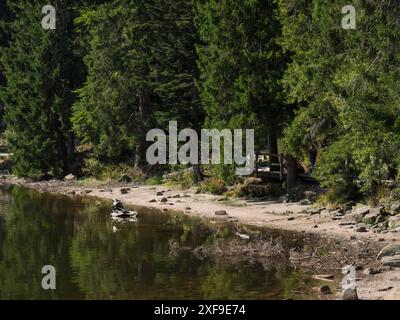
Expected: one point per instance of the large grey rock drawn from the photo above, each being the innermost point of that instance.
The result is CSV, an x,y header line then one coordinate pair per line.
x,y
361,228
221,213
324,290
348,206
350,294
375,215
395,208
389,251
305,202
393,261
338,213
379,227
362,210
397,230
394,222
70,177
394,294
325,213
314,211
351,219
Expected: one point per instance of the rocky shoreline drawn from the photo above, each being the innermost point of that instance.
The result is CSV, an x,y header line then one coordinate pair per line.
x,y
361,226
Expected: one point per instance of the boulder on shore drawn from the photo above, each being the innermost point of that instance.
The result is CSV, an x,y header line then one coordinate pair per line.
x,y
70,177
324,290
391,261
124,190
364,210
371,218
349,294
351,219
389,251
394,222
361,228
394,294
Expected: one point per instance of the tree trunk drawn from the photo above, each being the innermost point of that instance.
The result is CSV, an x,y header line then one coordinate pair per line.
x,y
138,154
70,152
291,174
273,152
313,159
281,166
197,174
257,166
144,105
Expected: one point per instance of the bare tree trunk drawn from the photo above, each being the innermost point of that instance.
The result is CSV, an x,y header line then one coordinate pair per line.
x,y
313,158
291,176
138,154
197,174
273,152
144,105
257,165
281,166
70,152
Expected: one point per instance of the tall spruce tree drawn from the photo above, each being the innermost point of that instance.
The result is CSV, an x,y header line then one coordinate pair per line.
x,y
5,16
39,69
141,74
177,70
346,81
241,65
117,99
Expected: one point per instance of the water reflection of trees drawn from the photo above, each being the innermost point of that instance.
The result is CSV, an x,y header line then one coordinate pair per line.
x,y
96,261
31,240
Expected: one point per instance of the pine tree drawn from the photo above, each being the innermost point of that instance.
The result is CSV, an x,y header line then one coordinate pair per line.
x,y
5,16
177,70
141,74
241,65
116,98
39,69
344,81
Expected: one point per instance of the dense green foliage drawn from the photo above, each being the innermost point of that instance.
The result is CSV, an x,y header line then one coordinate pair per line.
x,y
241,65
5,16
347,84
38,67
112,70
141,73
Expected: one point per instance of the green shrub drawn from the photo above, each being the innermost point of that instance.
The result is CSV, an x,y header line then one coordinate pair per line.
x,y
332,198
336,169
186,181
154,181
212,185
122,172
395,194
92,167
255,187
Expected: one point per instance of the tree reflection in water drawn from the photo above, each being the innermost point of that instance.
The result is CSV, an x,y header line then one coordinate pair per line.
x,y
130,261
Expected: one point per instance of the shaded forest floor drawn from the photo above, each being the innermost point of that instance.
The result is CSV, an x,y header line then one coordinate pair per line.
x,y
293,217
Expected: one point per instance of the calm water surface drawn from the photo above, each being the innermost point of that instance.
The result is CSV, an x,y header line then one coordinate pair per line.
x,y
95,259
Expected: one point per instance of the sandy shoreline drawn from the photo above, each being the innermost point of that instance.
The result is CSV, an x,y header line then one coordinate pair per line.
x,y
274,215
